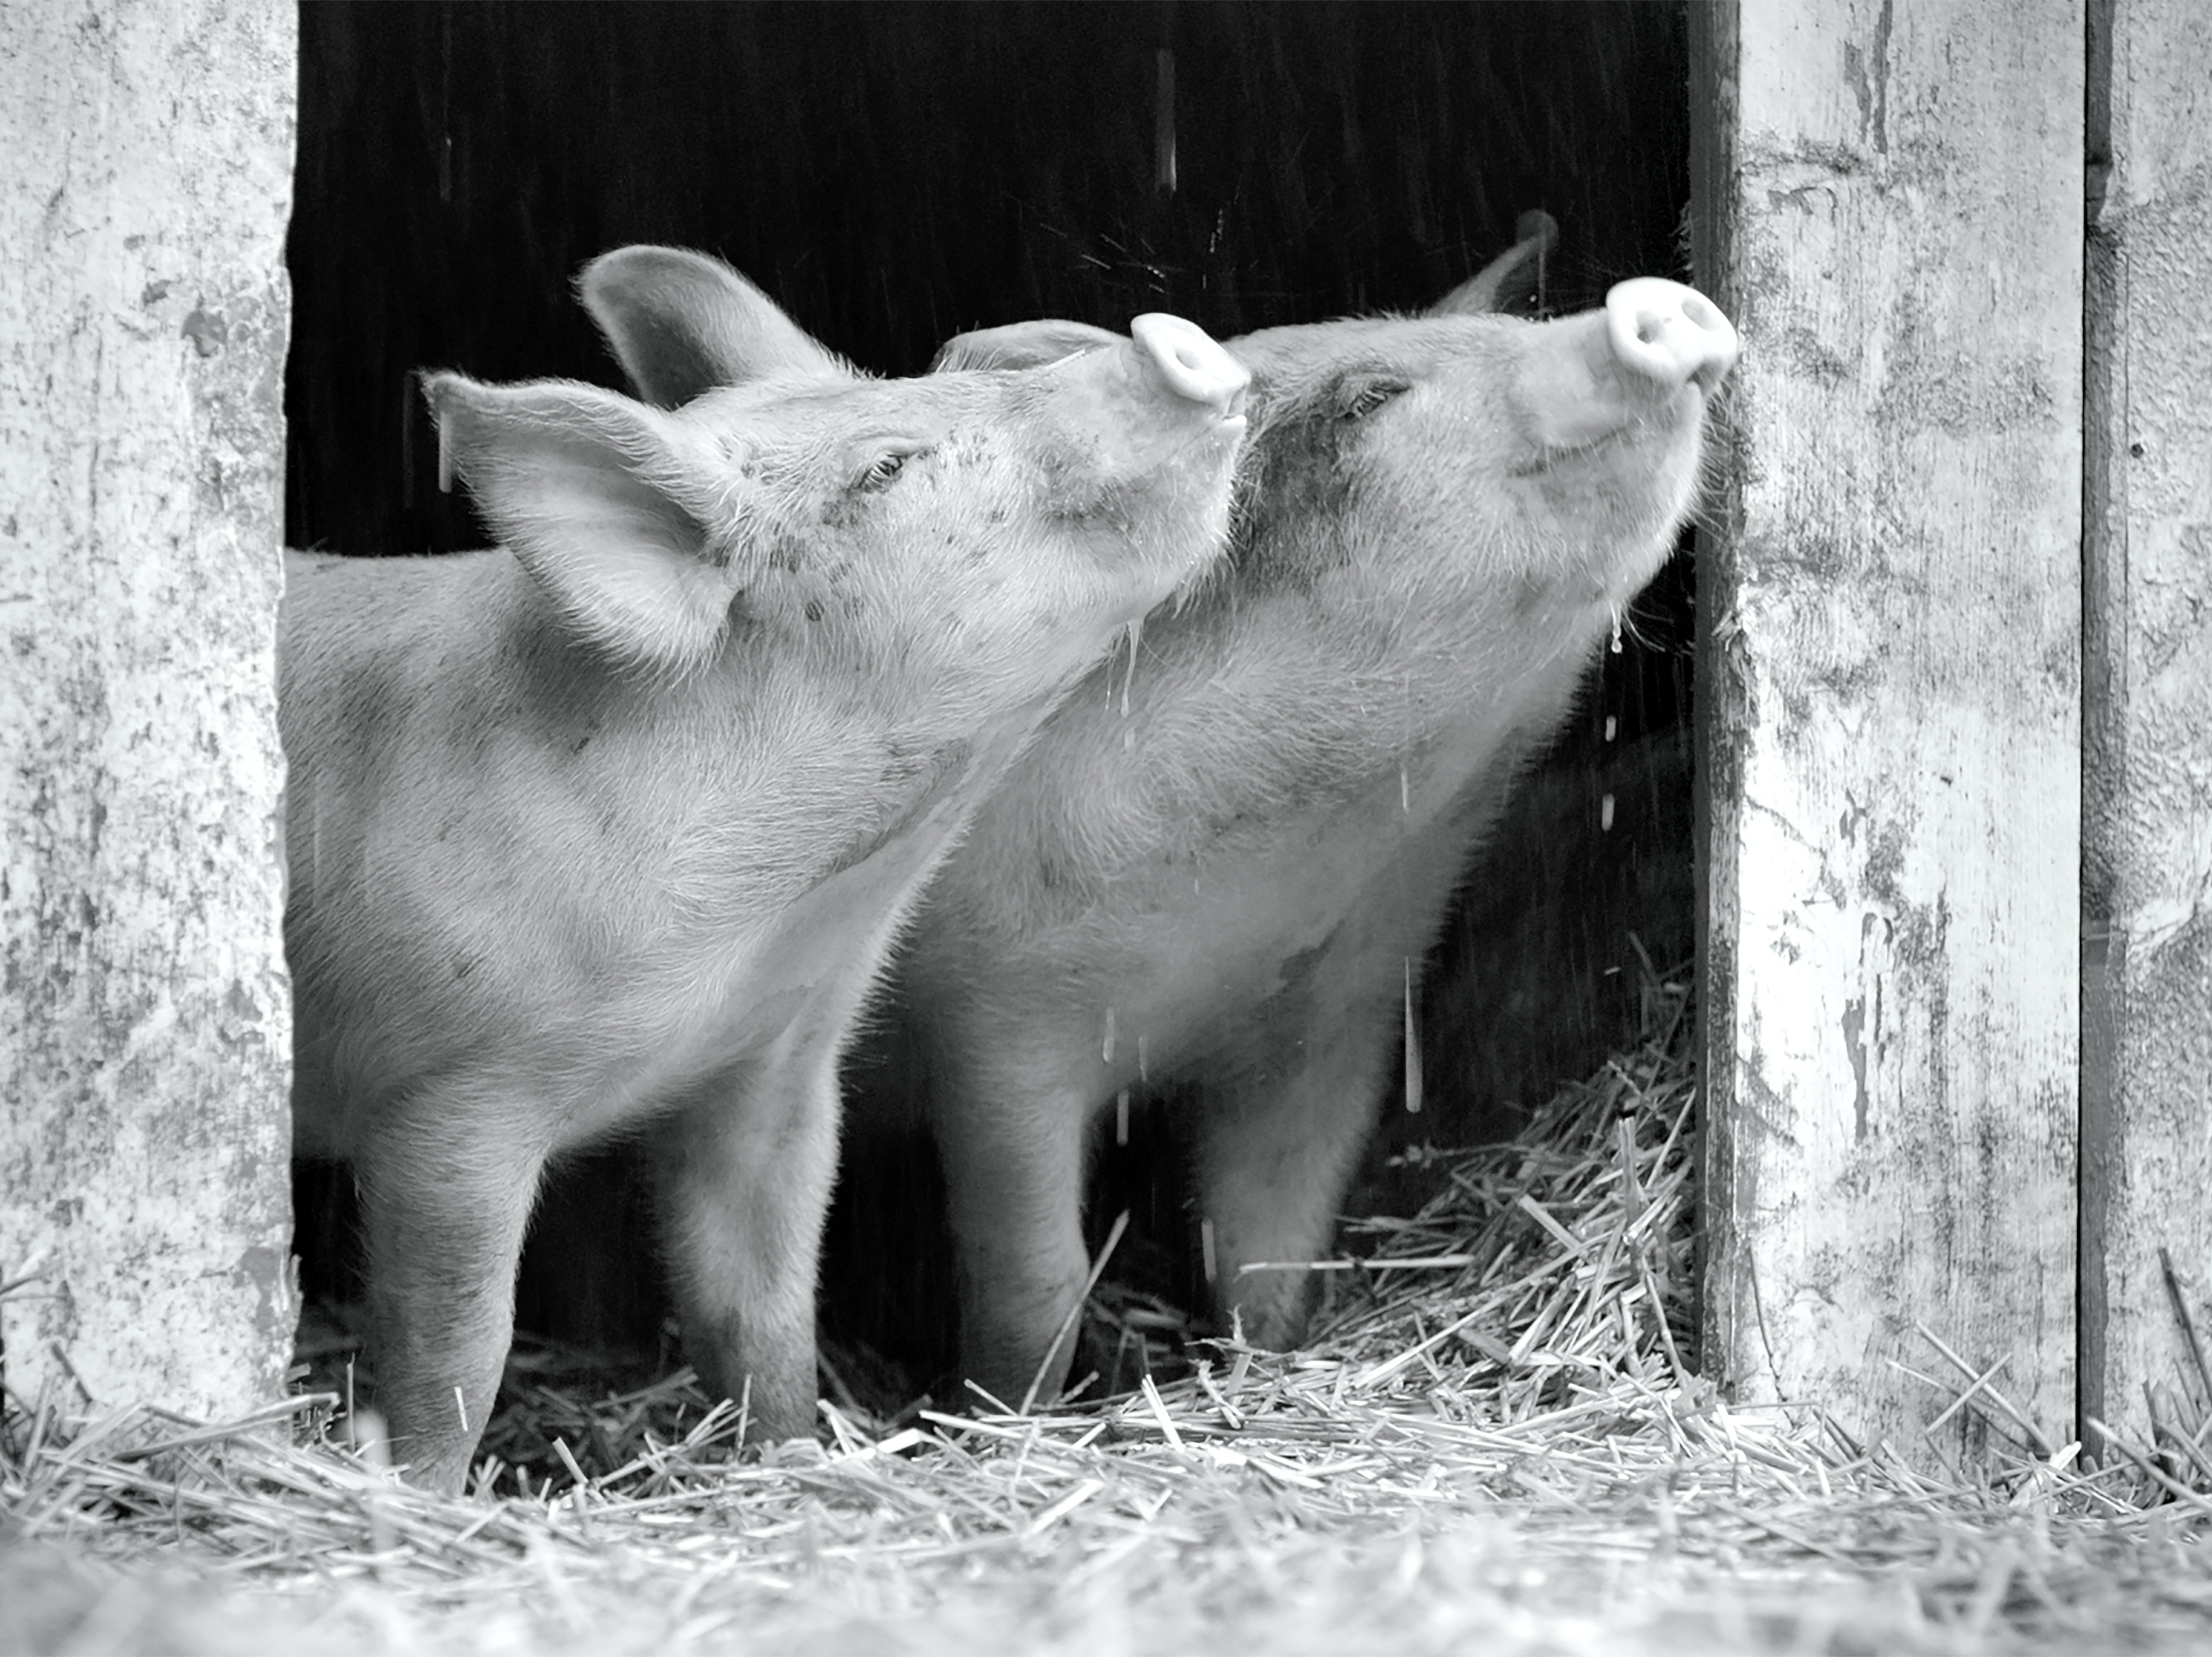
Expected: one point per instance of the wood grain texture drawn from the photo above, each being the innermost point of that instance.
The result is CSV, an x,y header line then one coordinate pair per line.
x,y
145,1030
2146,897
1889,204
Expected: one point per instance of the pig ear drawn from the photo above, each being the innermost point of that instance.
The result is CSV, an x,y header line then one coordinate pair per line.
x,y
1019,345
1509,282
681,323
604,502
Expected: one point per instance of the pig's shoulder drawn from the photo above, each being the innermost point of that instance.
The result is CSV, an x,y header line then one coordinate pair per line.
x,y
373,601
318,579
395,627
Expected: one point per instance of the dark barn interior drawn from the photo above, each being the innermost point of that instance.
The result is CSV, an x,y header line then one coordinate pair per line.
x,y
894,173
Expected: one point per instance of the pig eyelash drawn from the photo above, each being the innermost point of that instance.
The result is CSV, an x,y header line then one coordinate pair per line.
x,y
884,470
1364,401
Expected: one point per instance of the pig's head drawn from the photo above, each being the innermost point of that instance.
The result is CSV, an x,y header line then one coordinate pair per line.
x,y
1460,458
984,530
1465,488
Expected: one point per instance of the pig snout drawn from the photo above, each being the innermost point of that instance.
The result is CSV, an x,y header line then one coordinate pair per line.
x,y
1165,396
1182,357
1590,376
1669,333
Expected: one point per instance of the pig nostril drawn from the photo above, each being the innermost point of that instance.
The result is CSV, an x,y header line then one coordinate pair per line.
x,y
1662,331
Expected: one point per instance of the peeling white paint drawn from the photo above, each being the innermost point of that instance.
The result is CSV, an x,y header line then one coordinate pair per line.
x,y
144,1040
1892,699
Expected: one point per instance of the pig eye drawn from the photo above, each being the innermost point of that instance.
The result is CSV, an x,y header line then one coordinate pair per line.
x,y
880,472
1360,401
883,470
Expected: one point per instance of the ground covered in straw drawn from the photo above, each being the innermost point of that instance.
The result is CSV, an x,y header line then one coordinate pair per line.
x,y
1491,1444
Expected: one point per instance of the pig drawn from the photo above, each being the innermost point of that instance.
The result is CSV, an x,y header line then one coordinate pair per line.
x,y
607,831
1216,871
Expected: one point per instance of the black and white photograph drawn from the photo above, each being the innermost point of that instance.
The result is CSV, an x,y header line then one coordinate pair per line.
x,y
1083,826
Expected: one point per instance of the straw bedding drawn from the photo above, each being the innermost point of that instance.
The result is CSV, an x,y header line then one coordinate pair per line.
x,y
1492,1442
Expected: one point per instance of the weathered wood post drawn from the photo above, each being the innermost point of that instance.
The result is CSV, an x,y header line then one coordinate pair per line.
x,y
145,1029
2147,853
1888,200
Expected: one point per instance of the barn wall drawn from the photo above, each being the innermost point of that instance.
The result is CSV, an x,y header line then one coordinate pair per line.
x,y
2146,862
1890,205
145,1030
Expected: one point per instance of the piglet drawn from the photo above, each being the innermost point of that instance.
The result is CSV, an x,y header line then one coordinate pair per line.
x,y
1217,870
609,829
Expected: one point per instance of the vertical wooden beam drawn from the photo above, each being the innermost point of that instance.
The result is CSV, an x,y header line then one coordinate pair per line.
x,y
2146,862
145,1031
1888,201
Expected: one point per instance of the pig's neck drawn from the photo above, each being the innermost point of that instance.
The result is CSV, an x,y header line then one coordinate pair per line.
x,y
1255,708
748,785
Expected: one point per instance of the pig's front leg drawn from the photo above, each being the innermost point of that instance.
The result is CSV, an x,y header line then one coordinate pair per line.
x,y
445,1199
1275,1145
1010,1138
745,1171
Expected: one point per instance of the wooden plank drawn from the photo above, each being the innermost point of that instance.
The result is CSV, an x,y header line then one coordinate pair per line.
x,y
2146,897
145,1033
1888,201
